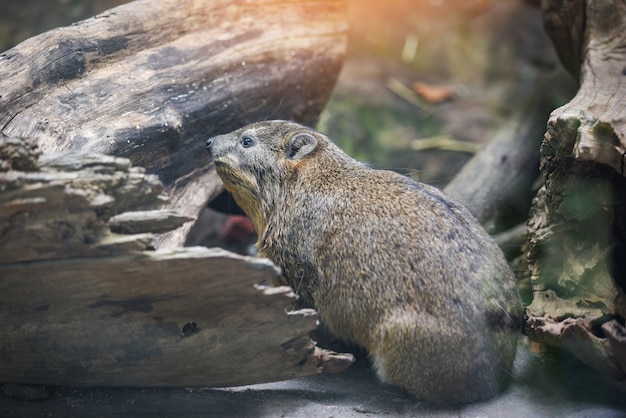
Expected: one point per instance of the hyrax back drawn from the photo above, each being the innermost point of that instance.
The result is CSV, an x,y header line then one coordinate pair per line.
x,y
391,264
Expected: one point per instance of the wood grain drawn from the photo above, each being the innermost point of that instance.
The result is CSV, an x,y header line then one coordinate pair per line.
x,y
577,224
82,305
153,79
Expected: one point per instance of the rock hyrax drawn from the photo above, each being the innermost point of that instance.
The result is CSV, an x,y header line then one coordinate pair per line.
x,y
390,264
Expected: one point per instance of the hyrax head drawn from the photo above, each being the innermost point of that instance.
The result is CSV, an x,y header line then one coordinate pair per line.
x,y
254,161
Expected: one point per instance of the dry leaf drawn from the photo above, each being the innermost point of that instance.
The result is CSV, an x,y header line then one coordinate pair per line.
x,y
433,93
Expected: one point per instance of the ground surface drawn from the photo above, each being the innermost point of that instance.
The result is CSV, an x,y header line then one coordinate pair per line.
x,y
542,387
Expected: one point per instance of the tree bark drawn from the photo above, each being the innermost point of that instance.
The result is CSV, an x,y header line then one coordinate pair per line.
x,y
577,226
152,80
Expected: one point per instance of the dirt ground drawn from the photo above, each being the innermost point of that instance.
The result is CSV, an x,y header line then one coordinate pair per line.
x,y
542,387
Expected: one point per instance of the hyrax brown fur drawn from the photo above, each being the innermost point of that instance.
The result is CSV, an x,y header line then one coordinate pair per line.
x,y
390,264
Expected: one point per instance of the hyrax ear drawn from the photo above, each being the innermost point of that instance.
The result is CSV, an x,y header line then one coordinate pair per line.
x,y
300,145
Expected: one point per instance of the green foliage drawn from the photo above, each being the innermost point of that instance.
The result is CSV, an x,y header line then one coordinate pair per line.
x,y
374,133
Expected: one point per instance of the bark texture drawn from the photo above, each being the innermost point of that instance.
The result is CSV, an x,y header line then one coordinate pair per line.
x,y
577,225
153,79
83,305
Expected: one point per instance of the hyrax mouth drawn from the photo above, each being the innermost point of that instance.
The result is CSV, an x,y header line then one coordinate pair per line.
x,y
232,176
223,162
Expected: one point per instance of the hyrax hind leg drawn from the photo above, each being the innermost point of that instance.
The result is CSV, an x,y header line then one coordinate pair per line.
x,y
434,362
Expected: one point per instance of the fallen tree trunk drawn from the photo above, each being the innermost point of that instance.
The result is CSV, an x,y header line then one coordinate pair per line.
x,y
496,184
577,244
152,80
82,305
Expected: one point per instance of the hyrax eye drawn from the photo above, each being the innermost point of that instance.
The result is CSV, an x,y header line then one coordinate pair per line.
x,y
248,141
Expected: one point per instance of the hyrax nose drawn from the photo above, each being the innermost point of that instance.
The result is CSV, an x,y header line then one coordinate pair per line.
x,y
209,144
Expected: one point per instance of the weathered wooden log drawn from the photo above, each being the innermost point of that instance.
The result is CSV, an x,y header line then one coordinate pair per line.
x,y
62,209
577,226
564,22
152,79
82,305
146,221
170,318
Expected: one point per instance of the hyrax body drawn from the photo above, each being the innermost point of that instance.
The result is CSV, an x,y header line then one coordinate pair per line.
x,y
390,264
